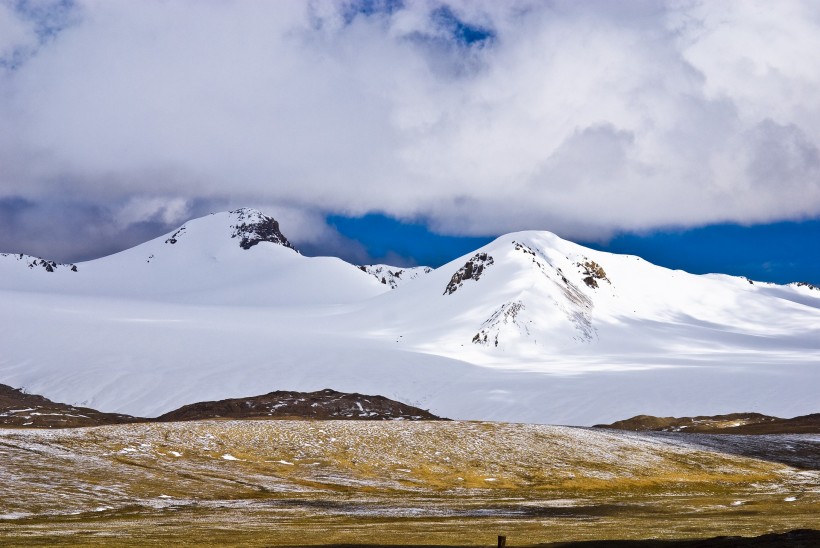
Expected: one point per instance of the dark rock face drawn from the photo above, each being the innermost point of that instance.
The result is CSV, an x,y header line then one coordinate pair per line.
x,y
323,405
471,270
733,423
250,226
253,227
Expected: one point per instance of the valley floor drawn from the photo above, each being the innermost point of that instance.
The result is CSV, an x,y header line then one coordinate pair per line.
x,y
267,483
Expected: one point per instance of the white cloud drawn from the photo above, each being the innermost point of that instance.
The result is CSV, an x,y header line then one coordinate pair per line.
x,y
141,209
584,118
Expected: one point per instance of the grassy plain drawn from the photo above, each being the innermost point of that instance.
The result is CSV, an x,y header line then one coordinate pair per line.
x,y
268,483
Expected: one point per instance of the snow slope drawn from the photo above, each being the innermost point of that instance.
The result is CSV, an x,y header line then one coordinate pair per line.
x,y
528,328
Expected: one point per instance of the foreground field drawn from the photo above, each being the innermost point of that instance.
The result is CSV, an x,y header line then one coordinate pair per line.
x,y
260,483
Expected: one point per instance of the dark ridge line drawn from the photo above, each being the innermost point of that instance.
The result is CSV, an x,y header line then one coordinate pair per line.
x,y
21,410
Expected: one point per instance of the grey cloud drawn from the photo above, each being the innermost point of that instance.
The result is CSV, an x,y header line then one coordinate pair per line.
x,y
585,118
71,231
782,154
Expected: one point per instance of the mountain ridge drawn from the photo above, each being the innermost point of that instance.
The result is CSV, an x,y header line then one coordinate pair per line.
x,y
529,327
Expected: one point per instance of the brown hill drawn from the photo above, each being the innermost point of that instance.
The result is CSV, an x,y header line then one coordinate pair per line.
x,y
21,410
734,423
324,405
18,409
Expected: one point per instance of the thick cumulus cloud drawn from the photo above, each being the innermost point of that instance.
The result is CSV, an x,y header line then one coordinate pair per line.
x,y
585,118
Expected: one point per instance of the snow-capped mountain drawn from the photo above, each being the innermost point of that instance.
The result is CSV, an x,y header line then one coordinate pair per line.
x,y
527,328
236,257
530,294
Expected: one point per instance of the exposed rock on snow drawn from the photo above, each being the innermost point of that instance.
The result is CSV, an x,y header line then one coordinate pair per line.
x,y
592,272
504,316
395,276
472,270
174,238
37,262
252,227
806,285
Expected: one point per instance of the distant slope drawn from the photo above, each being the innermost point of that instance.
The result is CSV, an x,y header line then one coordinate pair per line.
x,y
22,410
18,409
735,423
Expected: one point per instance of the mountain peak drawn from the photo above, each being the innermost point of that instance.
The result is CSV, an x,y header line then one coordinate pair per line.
x,y
251,226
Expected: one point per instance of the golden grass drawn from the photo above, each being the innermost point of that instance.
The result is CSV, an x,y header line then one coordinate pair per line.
x,y
297,482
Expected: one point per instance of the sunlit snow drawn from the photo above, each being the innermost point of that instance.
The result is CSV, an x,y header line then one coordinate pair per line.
x,y
162,325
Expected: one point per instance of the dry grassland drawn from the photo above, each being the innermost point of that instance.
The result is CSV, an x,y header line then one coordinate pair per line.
x,y
258,483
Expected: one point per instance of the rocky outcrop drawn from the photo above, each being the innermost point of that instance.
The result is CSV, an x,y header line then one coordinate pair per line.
x,y
806,285
249,226
394,276
174,238
505,316
37,262
593,273
472,270
252,227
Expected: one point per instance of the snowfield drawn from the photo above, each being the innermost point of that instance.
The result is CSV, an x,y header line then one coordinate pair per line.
x,y
529,328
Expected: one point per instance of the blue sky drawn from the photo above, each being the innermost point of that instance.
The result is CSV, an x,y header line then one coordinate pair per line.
x,y
410,244
778,252
600,121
